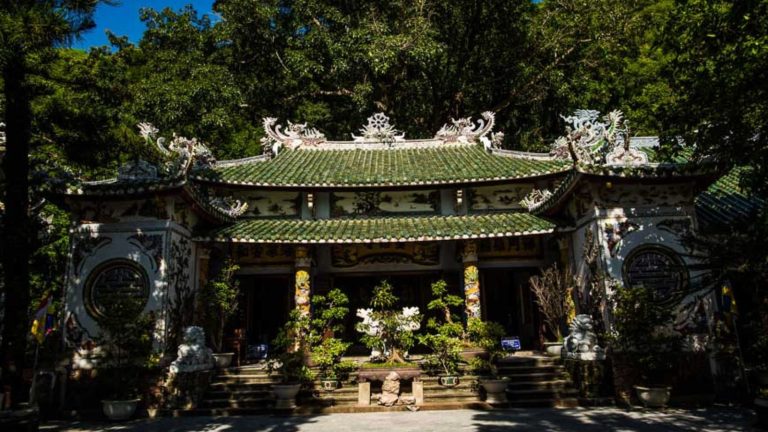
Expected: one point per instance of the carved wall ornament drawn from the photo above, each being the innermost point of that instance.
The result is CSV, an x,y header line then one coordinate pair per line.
x,y
118,287
615,232
535,198
657,268
378,129
85,247
465,130
151,244
592,141
293,136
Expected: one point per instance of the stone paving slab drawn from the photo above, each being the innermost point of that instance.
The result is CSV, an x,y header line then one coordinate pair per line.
x,y
538,419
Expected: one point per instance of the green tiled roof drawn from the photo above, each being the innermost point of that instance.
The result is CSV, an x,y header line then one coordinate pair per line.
x,y
725,202
381,167
385,229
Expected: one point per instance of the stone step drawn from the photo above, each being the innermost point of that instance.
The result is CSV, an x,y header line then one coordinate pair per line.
x,y
553,384
540,394
515,369
237,379
528,377
246,402
232,394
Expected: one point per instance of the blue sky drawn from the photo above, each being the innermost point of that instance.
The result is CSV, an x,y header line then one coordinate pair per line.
x,y
123,19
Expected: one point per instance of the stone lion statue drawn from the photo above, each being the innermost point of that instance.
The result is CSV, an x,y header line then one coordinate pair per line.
x,y
193,355
581,343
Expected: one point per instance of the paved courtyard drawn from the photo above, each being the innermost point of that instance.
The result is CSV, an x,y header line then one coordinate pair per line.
x,y
600,419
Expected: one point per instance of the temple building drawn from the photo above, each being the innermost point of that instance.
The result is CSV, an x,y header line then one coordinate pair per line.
x,y
311,214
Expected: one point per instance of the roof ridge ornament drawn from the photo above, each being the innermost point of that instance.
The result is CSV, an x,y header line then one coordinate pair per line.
x,y
535,198
185,151
378,129
231,207
294,136
465,130
597,142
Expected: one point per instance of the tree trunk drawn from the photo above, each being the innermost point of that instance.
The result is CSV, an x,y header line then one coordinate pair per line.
x,y
16,229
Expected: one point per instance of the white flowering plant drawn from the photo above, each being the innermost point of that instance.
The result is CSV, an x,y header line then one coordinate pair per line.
x,y
386,331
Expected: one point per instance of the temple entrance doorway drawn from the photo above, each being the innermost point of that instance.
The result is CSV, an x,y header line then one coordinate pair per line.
x,y
268,300
508,300
413,289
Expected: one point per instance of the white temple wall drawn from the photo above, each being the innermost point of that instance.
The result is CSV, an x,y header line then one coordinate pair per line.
x,y
148,260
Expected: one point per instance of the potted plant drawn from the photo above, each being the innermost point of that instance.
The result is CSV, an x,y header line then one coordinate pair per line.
x,y
388,332
218,299
289,360
643,336
487,335
553,291
444,337
329,312
126,336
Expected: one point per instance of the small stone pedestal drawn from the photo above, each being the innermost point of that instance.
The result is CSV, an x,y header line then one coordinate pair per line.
x,y
364,393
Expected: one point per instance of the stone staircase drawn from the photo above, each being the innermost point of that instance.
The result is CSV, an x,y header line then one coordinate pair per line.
x,y
537,381
534,381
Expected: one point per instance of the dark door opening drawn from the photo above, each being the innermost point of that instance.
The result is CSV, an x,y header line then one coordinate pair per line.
x,y
268,302
508,300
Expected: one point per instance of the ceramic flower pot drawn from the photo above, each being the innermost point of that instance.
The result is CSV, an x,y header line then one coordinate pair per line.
x,y
553,348
653,397
223,360
119,410
449,380
495,390
329,384
286,395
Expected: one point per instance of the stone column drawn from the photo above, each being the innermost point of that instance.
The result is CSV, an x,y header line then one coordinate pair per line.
x,y
303,265
471,280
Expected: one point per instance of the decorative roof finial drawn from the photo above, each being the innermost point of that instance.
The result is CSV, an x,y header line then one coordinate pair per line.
x,y
378,129
464,130
294,136
597,142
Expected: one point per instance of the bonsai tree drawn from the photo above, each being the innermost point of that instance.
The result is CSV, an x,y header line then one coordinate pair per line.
x,y
290,346
486,335
445,331
553,291
218,300
387,332
328,314
642,330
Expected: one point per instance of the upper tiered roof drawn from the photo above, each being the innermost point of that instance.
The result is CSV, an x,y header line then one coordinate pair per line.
x,y
366,167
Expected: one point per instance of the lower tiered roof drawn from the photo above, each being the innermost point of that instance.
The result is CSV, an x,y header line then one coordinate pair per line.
x,y
382,229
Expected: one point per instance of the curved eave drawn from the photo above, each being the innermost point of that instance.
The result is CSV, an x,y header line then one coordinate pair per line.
x,y
380,230
203,208
649,172
119,190
381,185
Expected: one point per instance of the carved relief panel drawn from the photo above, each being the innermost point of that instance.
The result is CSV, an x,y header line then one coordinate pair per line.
x,y
501,197
382,203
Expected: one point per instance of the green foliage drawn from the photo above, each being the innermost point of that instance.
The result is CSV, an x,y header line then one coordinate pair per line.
x,y
218,300
445,334
390,332
643,333
289,348
328,314
127,346
486,335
